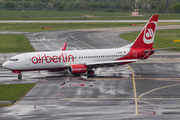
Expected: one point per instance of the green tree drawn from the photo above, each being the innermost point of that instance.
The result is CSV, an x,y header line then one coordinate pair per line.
x,y
20,7
111,6
146,6
60,7
118,5
162,9
174,2
157,4
127,7
26,4
170,8
32,5
104,5
69,6
44,1
97,5
38,5
123,2
50,6
56,3
10,4
176,8
153,5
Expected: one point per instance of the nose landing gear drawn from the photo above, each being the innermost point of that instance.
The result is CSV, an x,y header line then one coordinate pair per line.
x,y
19,76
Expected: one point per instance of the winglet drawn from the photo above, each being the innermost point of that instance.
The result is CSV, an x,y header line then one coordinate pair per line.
x,y
64,46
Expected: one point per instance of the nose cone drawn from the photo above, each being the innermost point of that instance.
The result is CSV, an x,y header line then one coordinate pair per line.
x,y
6,65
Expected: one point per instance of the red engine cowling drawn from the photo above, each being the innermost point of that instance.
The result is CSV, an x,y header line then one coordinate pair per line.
x,y
77,68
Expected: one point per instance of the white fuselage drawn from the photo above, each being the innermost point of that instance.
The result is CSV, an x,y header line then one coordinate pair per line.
x,y
60,59
81,61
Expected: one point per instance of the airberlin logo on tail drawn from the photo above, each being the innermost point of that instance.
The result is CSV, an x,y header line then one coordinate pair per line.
x,y
149,33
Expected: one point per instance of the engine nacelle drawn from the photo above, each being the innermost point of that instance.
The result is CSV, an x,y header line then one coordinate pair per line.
x,y
77,68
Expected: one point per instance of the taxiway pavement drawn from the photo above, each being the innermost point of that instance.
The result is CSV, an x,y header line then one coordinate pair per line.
x,y
134,91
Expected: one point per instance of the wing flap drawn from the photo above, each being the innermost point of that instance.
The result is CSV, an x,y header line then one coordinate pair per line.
x,y
107,63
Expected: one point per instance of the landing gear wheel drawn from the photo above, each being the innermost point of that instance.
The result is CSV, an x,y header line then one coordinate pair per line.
x,y
78,75
90,73
20,76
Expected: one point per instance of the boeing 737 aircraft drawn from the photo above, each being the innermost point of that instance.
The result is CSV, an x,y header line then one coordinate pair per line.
x,y
84,61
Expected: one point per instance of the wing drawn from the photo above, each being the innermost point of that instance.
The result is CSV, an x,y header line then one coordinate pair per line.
x,y
109,63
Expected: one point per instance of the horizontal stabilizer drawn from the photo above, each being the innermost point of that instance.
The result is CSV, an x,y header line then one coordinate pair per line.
x,y
165,48
162,49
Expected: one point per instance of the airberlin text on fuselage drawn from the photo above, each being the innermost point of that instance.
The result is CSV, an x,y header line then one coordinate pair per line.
x,y
54,58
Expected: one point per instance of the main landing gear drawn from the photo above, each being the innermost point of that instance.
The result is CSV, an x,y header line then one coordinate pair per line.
x,y
90,73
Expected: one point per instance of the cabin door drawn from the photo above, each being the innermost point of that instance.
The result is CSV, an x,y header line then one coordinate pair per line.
x,y
27,61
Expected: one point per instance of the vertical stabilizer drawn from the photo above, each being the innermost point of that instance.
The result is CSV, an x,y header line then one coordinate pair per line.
x,y
146,38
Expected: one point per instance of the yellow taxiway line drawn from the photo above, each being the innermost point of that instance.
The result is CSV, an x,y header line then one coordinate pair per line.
x,y
134,86
82,42
140,99
157,89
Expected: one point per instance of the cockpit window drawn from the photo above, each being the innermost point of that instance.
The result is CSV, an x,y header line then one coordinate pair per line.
x,y
13,59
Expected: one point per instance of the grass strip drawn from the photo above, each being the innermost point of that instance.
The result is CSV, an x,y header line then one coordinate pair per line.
x,y
79,15
14,92
14,43
37,27
19,43
163,38
6,104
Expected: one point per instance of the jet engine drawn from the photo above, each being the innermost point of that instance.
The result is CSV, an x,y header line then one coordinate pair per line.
x,y
77,68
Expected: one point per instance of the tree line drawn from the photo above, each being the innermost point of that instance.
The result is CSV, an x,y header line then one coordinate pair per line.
x,y
104,5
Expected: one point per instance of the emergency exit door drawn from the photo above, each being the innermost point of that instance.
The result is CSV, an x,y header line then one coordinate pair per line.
x,y
27,61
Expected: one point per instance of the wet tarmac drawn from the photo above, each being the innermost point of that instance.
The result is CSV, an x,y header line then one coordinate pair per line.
x,y
147,91
113,94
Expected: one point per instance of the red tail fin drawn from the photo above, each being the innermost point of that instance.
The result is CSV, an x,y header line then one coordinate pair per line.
x,y
146,37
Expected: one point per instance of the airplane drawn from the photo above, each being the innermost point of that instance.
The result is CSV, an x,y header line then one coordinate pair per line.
x,y
85,61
